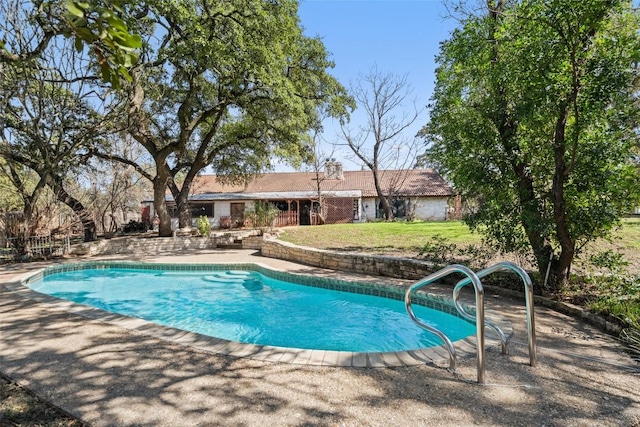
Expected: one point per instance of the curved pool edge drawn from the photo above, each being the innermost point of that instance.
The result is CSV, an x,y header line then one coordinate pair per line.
x,y
437,356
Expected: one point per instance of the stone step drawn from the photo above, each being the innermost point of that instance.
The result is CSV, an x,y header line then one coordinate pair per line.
x,y
235,245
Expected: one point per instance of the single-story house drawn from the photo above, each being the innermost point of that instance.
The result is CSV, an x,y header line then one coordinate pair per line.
x,y
347,196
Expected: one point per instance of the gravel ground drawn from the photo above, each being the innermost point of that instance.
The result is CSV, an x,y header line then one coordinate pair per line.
x,y
109,376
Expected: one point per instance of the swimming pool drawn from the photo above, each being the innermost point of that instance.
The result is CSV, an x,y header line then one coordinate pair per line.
x,y
250,304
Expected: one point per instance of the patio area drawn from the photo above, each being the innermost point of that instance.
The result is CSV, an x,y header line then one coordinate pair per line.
x,y
110,376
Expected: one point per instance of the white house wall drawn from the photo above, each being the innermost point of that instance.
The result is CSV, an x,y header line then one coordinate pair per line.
x,y
368,209
431,209
220,208
426,208
223,208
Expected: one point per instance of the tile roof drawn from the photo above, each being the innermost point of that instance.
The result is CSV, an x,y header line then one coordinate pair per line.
x,y
412,182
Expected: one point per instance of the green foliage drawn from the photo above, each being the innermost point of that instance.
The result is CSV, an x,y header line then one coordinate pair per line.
x,y
533,119
262,216
612,261
36,138
101,25
230,85
619,297
441,251
479,256
204,226
631,338
9,195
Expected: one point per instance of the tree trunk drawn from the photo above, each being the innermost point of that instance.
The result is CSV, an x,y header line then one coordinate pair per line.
x,y
387,211
181,196
184,209
28,223
86,218
532,219
160,202
560,269
384,200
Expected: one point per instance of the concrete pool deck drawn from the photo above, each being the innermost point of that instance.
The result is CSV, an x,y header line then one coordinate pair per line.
x,y
110,376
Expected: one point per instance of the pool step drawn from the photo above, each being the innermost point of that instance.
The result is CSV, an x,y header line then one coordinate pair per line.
x,y
227,276
236,244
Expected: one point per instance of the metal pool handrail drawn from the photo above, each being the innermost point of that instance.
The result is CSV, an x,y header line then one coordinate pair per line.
x,y
456,294
479,292
528,287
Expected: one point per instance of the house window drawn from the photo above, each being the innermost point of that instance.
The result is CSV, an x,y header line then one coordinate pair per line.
x,y
399,207
281,205
356,209
198,209
237,214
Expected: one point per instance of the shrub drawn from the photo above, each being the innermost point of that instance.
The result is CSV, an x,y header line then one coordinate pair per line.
x,y
478,255
262,216
204,226
439,251
609,260
618,297
135,227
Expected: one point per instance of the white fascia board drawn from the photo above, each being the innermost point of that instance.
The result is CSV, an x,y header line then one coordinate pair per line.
x,y
280,195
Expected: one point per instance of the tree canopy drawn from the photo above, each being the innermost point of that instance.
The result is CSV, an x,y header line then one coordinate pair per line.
x,y
225,84
534,117
100,25
53,110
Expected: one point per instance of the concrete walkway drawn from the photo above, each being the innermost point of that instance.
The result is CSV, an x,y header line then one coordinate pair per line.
x,y
110,376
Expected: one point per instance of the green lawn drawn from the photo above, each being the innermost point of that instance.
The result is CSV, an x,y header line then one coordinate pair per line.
x,y
409,237
629,235
380,237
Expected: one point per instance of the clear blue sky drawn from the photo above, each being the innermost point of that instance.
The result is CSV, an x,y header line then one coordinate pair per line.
x,y
397,36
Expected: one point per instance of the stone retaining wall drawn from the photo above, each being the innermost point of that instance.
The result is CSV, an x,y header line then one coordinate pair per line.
x,y
252,242
402,268
144,245
156,245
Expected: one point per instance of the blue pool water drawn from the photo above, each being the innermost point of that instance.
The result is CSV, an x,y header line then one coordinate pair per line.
x,y
249,307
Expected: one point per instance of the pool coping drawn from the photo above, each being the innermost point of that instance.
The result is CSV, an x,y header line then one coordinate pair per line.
x,y
437,355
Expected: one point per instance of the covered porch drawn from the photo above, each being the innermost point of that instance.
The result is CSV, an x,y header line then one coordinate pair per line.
x,y
228,210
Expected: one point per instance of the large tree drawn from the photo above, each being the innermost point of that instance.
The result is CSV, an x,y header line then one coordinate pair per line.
x,y
534,116
50,114
381,142
227,84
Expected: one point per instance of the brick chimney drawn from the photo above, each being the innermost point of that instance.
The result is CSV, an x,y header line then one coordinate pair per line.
x,y
333,169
